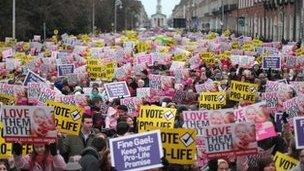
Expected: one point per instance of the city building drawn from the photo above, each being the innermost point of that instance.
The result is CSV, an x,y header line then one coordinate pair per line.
x,y
159,20
269,19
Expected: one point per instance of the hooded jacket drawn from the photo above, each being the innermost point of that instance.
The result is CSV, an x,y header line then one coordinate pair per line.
x,y
90,159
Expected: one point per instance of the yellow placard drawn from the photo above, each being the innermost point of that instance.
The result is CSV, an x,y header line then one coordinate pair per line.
x,y
67,117
180,57
7,99
207,57
212,100
6,148
142,47
179,145
241,91
155,116
283,162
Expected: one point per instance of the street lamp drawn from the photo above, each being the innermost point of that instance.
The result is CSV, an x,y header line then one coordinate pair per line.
x,y
14,19
117,3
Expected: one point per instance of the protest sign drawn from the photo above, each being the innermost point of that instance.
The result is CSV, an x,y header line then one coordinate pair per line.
x,y
207,86
196,119
178,145
291,107
28,124
117,90
7,53
298,86
33,92
230,139
6,148
132,104
46,94
272,100
222,116
32,77
137,152
242,60
272,62
176,65
143,92
243,91
255,113
63,70
144,59
265,130
283,162
278,121
155,81
67,117
155,116
8,99
212,100
298,123
207,57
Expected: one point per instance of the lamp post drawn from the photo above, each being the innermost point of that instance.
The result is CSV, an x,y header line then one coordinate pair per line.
x,y
14,20
117,3
93,16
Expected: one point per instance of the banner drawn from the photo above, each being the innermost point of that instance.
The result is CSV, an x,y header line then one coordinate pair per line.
x,y
222,116
67,117
298,86
117,90
255,113
242,60
63,70
298,124
137,152
28,124
7,53
265,130
46,94
8,99
143,92
155,81
33,92
230,139
272,62
179,145
207,86
196,119
133,105
243,91
272,101
32,77
283,162
155,116
144,59
6,148
212,100
291,106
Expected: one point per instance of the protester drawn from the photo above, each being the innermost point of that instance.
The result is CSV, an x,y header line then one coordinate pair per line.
x,y
43,158
91,156
240,95
4,165
300,166
72,146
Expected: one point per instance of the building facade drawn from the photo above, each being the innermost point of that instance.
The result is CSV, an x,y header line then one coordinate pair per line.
x,y
270,19
159,20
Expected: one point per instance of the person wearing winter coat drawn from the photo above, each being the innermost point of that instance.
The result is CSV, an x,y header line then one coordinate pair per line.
x,y
91,156
43,158
300,166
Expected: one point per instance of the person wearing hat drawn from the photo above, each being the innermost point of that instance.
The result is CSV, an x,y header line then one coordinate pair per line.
x,y
91,156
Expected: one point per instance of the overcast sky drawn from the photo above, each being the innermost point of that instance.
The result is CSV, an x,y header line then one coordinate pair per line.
x,y
167,6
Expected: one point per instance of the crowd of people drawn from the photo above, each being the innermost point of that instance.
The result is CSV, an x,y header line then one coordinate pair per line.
x,y
106,118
